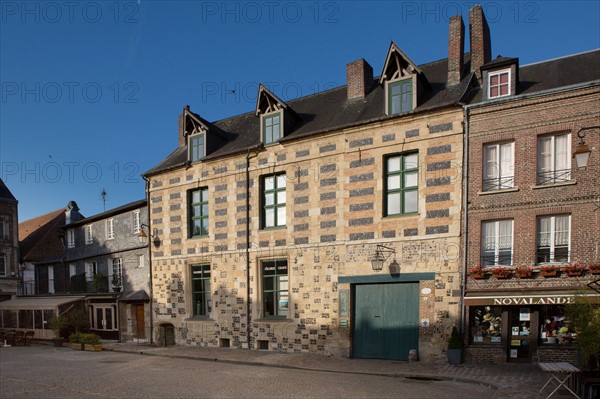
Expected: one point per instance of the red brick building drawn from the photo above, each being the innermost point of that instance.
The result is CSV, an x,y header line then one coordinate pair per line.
x,y
532,215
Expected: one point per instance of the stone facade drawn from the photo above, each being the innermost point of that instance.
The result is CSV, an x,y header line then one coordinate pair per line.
x,y
9,242
334,190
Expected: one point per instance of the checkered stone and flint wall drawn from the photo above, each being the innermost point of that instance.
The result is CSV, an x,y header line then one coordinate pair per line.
x,y
334,220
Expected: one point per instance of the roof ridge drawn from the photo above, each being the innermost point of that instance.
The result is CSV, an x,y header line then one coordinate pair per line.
x,y
562,57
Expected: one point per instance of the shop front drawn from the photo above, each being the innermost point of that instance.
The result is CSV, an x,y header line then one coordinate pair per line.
x,y
527,328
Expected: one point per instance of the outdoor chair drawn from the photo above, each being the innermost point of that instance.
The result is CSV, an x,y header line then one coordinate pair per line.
x,y
19,339
29,337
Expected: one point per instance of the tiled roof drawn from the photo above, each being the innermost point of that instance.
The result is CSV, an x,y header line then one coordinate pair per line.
x,y
38,237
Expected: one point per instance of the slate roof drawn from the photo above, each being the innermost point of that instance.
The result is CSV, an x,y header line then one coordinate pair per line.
x,y
39,237
331,110
107,214
5,193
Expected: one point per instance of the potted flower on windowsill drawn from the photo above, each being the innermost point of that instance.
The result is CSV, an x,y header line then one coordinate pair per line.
x,y
595,268
524,272
455,346
574,269
550,270
501,272
116,283
477,272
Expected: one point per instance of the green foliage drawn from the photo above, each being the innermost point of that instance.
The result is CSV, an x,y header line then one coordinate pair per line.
x,y
65,326
100,282
585,321
84,338
455,341
116,280
78,283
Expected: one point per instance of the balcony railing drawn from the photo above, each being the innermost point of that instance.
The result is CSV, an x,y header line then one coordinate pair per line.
x,y
498,183
556,255
554,176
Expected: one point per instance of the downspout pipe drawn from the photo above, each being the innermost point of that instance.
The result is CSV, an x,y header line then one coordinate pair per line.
x,y
256,151
465,226
149,257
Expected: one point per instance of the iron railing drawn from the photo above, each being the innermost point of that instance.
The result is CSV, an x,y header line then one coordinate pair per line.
x,y
498,183
547,255
554,176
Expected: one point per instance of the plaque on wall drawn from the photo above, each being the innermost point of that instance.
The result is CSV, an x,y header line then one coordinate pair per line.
x,y
344,294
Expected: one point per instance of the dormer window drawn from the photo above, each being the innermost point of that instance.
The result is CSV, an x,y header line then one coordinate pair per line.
x,y
499,84
271,127
197,147
400,95
403,82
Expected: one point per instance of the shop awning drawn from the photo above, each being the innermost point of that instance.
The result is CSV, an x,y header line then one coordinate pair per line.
x,y
35,303
531,299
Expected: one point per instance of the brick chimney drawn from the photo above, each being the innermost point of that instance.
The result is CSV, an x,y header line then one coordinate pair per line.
x,y
456,49
479,32
180,132
359,75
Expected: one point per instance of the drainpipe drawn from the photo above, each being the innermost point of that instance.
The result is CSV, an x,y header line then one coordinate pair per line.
x,y
465,204
256,150
149,256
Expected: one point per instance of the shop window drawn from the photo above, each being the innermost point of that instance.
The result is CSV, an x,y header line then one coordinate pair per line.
x,y
555,328
486,324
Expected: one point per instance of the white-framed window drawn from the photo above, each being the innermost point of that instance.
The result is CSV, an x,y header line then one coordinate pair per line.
x,y
71,238
89,234
116,273
137,223
110,231
141,260
554,159
3,268
498,166
271,127
499,83
497,243
72,270
553,239
90,271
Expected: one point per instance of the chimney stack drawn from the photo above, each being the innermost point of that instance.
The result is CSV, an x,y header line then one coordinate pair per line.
x,y
456,50
479,32
180,130
72,214
359,75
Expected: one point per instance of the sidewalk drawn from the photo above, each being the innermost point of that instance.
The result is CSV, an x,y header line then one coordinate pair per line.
x,y
509,381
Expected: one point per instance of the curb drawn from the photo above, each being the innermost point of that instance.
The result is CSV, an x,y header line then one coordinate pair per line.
x,y
490,385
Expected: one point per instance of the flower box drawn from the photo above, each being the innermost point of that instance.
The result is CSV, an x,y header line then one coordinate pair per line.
x,y
524,272
549,273
93,347
501,272
574,269
478,273
594,268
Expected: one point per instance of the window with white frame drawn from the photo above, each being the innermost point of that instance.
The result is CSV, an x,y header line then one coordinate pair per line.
x,y
103,317
137,223
553,239
497,243
90,271
116,275
498,166
499,84
89,234
554,159
3,270
110,232
71,238
72,270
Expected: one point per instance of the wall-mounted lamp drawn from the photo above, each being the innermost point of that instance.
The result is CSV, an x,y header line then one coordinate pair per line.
x,y
382,253
582,151
142,236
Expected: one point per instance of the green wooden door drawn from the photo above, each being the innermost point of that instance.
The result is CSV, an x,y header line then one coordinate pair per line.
x,y
385,320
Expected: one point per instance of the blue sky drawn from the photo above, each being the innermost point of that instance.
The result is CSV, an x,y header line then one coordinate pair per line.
x,y
91,91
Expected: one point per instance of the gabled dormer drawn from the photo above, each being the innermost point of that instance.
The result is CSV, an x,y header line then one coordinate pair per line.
x,y
500,77
200,135
402,81
276,117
